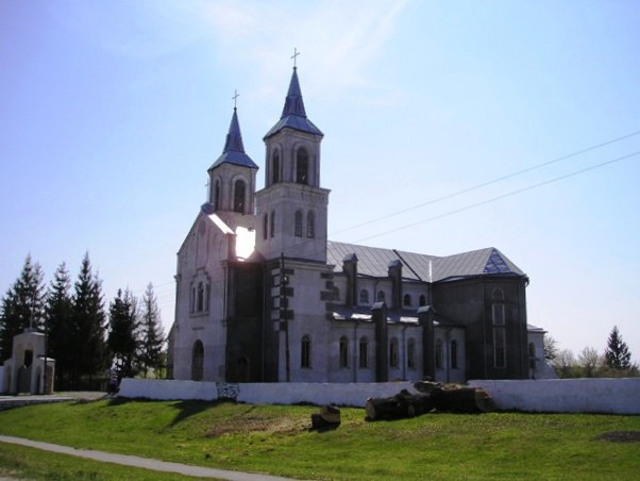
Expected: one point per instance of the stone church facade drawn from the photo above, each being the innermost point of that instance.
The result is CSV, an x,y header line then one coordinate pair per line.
x,y
263,296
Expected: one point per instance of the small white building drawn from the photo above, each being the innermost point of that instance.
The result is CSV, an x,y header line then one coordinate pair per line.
x,y
25,371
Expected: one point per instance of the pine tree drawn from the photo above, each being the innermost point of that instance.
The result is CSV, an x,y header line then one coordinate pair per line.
x,y
617,355
59,323
89,355
123,333
152,355
22,306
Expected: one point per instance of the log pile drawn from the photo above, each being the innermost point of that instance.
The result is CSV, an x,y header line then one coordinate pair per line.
x,y
430,397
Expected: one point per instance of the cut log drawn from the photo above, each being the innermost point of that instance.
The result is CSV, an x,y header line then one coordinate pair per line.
x,y
452,398
404,404
430,396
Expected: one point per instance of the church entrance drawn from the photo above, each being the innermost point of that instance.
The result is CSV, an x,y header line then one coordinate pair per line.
x,y
242,370
197,361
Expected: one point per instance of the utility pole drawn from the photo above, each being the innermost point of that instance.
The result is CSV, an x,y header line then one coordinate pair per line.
x,y
284,304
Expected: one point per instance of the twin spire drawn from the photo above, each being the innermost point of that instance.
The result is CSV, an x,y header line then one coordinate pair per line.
x,y
293,117
293,114
233,152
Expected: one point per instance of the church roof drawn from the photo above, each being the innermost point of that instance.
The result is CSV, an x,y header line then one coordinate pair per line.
x,y
293,114
374,262
233,152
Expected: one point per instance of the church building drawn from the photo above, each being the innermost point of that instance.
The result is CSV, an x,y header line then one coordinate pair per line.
x,y
262,295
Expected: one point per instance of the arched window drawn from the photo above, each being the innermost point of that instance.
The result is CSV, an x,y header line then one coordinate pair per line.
x,y
423,300
302,167
265,226
193,299
411,353
393,353
364,296
311,225
305,352
363,353
380,296
275,168
239,192
272,224
497,295
532,355
215,195
406,301
197,361
499,334
439,354
298,224
344,352
200,305
454,354
207,295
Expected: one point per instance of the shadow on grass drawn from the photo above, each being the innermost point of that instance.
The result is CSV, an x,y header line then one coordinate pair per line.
x,y
185,409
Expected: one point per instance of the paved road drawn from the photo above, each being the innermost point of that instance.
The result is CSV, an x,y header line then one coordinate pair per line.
x,y
145,463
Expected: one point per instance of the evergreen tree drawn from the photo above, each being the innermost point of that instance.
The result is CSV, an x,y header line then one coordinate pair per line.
x,y
59,323
617,355
22,306
152,354
89,355
122,340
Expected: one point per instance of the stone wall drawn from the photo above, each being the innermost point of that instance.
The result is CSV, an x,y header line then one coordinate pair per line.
x,y
344,394
617,396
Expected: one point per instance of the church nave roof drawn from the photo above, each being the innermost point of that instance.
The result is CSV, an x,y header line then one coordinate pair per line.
x,y
374,262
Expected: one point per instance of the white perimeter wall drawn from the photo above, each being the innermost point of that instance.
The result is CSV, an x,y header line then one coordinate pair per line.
x,y
343,394
618,396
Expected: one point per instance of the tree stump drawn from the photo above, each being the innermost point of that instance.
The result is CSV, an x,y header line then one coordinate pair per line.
x,y
328,418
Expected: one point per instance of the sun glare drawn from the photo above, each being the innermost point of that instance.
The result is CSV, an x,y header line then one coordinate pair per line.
x,y
245,242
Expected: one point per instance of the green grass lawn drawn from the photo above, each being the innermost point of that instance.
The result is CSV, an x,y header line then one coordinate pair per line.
x,y
277,440
20,462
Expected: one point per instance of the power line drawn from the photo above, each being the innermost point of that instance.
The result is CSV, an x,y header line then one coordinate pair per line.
x,y
494,181
475,187
508,194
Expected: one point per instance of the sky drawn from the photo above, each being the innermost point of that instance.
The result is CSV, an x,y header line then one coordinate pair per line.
x,y
112,111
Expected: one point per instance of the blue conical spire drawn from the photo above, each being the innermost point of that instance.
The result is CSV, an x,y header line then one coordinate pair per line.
x,y
233,152
293,114
234,137
294,105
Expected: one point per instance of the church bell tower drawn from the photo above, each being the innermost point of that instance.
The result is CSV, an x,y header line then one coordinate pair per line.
x,y
292,208
232,180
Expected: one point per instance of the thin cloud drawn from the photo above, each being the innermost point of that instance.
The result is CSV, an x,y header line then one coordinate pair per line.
x,y
338,40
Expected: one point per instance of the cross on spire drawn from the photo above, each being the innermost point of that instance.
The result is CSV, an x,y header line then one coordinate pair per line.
x,y
235,99
295,54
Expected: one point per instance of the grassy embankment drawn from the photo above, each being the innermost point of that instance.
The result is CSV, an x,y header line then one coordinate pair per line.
x,y
277,440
